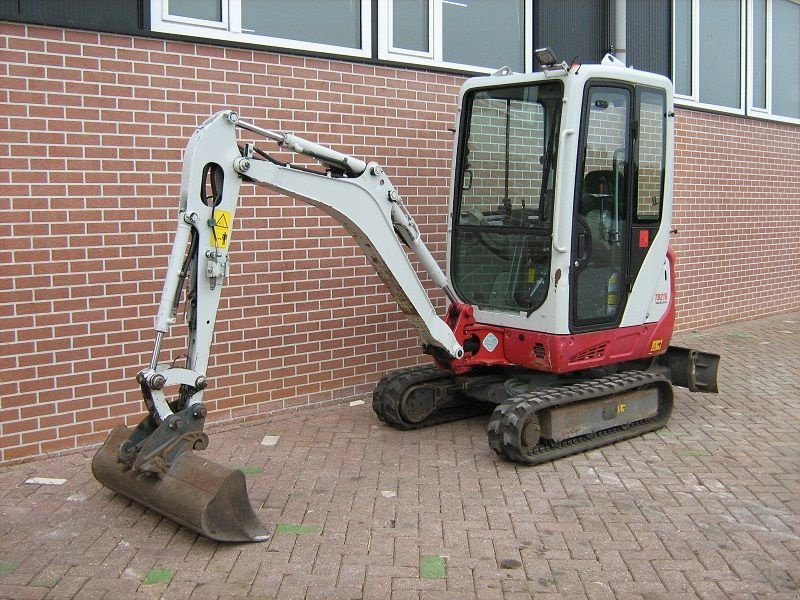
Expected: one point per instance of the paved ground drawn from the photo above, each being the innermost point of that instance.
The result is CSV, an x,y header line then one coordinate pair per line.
x,y
708,507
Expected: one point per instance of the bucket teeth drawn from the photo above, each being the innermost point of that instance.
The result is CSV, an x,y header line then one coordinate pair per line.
x,y
191,490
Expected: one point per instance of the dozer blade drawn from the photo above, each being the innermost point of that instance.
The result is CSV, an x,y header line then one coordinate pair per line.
x,y
194,492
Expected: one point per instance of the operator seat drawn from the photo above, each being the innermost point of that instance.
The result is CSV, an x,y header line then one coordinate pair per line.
x,y
595,207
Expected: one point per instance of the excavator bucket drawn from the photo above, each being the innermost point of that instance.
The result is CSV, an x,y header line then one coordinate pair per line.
x,y
192,491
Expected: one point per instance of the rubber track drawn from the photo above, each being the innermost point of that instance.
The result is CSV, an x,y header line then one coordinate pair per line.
x,y
507,421
389,392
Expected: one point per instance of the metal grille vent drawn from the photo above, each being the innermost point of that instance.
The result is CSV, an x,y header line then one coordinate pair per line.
x,y
592,353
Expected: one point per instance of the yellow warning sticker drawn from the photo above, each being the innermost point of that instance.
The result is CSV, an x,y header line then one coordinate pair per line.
x,y
656,345
221,228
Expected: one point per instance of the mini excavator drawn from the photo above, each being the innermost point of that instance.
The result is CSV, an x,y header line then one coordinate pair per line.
x,y
560,280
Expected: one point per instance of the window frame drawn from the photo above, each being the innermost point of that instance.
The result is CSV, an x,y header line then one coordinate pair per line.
x,y
693,100
230,30
434,57
752,110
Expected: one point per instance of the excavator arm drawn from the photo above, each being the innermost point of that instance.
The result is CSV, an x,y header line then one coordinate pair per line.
x,y
153,463
359,196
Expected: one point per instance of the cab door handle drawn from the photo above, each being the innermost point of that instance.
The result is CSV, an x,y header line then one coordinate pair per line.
x,y
583,247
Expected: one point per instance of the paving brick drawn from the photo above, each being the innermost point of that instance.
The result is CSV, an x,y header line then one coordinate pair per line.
x,y
705,508
447,595
22,592
219,589
377,587
67,587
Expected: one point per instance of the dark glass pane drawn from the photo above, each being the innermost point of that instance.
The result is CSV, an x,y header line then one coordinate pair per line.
x,y
786,58
683,47
720,52
760,53
208,10
333,22
489,33
410,25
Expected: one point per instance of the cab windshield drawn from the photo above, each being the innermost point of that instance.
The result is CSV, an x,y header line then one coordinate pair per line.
x,y
503,210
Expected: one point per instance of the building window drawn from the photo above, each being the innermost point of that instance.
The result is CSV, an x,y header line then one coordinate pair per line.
x,y
438,33
443,33
775,43
709,57
343,28
738,56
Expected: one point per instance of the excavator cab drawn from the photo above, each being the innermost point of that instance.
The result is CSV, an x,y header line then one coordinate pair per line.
x,y
559,278
564,191
561,215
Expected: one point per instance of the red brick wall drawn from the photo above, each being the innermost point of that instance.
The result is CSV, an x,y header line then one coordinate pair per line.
x,y
737,211
91,134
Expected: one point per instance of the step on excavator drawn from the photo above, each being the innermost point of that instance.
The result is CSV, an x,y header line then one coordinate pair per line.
x,y
560,280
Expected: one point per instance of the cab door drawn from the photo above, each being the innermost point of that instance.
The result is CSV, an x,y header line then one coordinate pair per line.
x,y
601,229
619,193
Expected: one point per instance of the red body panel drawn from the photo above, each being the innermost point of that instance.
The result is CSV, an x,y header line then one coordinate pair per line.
x,y
491,345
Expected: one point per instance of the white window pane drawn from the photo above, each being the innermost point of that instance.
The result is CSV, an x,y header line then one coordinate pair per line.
x,y
333,22
786,58
760,53
208,10
720,52
410,25
485,33
683,47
